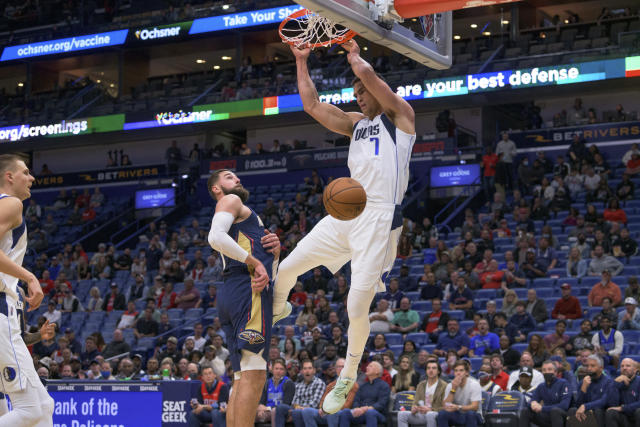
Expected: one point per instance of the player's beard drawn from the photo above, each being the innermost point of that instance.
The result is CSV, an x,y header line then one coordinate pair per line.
x,y
239,191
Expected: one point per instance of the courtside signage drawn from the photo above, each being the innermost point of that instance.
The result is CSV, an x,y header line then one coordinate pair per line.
x,y
71,44
240,20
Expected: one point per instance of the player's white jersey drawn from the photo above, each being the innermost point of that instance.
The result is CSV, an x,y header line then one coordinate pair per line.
x,y
379,156
14,245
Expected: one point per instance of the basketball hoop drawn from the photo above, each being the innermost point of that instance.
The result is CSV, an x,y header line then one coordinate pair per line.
x,y
305,29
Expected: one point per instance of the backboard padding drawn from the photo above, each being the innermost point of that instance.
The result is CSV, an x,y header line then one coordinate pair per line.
x,y
355,14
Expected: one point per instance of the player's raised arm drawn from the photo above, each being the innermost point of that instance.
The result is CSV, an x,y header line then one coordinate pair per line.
x,y
228,209
327,115
10,218
398,110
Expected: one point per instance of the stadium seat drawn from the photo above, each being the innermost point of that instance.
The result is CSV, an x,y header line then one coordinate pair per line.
x,y
393,339
419,338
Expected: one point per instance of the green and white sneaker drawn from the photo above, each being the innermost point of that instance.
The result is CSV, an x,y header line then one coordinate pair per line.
x,y
284,313
336,398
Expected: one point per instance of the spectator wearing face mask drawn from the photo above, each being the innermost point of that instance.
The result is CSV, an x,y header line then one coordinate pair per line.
x,y
550,400
596,393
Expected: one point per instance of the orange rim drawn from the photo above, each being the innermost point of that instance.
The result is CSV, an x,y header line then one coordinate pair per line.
x,y
303,12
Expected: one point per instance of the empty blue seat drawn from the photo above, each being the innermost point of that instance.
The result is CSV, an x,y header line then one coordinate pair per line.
x,y
543,282
476,363
519,347
544,293
421,305
419,338
456,314
429,348
193,313
397,350
393,339
589,281
174,313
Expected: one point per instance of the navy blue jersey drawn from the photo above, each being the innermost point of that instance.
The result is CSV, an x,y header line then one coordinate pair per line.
x,y
246,315
248,234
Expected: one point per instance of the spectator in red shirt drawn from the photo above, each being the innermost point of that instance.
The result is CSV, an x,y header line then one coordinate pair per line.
x,y
189,297
298,297
46,282
492,278
83,199
613,213
633,165
568,306
498,375
88,214
435,322
489,163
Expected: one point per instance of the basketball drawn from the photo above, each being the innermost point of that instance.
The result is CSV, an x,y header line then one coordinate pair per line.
x,y
344,198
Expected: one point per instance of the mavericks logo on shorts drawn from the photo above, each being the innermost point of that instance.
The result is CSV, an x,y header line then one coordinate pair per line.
x,y
252,337
9,374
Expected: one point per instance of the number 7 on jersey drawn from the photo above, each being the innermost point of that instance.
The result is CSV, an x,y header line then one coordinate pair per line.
x,y
377,142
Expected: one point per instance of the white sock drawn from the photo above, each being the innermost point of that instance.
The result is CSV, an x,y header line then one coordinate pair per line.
x,y
359,328
293,266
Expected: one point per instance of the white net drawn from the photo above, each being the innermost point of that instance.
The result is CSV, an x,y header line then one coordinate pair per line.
x,y
312,30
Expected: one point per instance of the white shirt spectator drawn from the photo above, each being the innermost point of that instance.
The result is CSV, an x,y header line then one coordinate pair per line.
x,y
53,316
591,182
382,311
507,149
127,319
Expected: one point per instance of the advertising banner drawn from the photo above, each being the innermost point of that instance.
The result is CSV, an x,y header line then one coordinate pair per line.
x,y
242,19
449,176
450,86
326,158
94,404
100,177
562,136
71,44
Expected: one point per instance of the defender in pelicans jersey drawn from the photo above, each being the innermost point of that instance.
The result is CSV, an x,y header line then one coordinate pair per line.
x,y
250,255
382,138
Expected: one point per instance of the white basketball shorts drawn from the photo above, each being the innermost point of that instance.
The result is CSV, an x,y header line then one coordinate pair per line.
x,y
16,364
370,241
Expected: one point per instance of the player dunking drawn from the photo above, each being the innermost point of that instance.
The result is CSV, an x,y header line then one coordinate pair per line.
x,y
250,255
32,405
382,138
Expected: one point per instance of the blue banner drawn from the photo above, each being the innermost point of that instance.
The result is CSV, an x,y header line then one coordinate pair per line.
x,y
125,404
562,136
75,409
449,176
71,44
244,19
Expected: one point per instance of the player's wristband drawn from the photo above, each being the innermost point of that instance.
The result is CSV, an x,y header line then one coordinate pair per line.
x,y
452,390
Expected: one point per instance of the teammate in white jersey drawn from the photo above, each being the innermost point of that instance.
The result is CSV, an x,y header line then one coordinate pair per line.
x,y
32,405
382,138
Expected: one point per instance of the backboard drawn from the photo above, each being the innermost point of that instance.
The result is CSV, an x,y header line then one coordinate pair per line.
x,y
428,41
